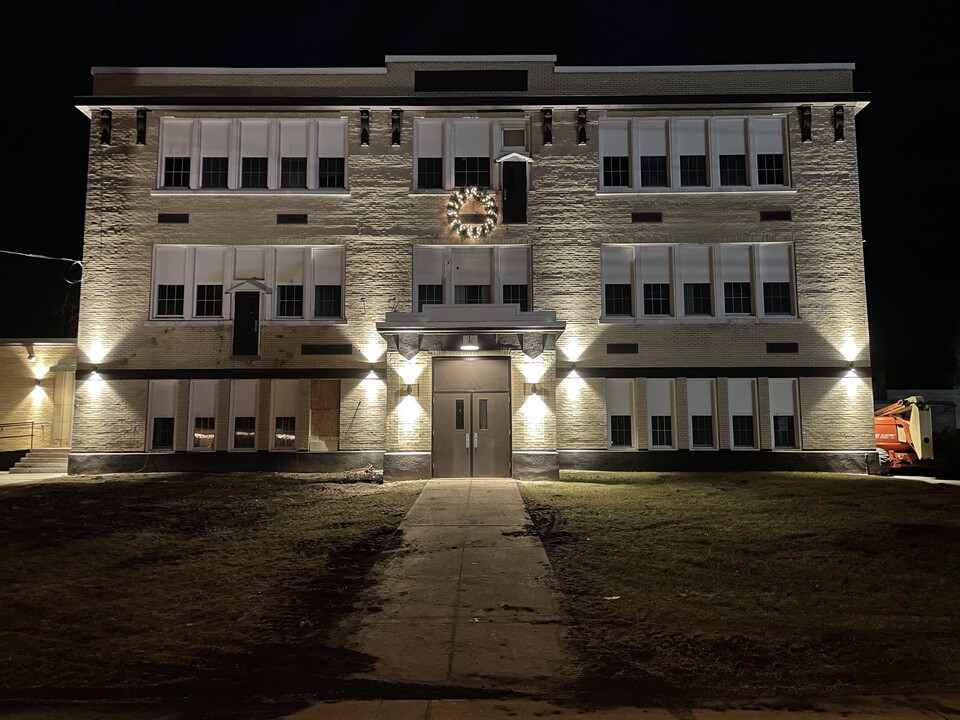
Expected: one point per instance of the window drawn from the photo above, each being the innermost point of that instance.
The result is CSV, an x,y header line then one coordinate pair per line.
x,y
660,402
289,300
701,409
327,302
776,298
619,398
253,153
741,401
743,431
616,171
471,171
475,275
176,172
286,399
693,171
243,414
429,295
459,152
653,171
770,169
330,172
616,272
775,268
253,172
660,431
429,173
516,295
618,299
170,300
209,300
471,294
733,170
203,412
783,432
656,298
162,433
214,172
696,299
293,172
692,154
783,412
161,414
736,298
701,431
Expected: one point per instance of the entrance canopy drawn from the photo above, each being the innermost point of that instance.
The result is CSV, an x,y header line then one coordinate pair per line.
x,y
496,327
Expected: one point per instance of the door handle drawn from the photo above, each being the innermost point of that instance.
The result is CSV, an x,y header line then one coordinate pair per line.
x,y
475,439
466,438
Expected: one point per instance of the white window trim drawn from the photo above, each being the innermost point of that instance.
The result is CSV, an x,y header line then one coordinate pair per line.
x,y
631,394
273,419
713,414
233,418
673,419
234,171
268,307
151,414
754,399
797,435
496,282
191,418
757,315
713,170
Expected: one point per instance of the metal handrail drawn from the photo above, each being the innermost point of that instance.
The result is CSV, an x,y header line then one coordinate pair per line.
x,y
33,425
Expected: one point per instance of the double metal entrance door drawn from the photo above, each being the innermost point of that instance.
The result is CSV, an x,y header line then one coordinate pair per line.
x,y
471,434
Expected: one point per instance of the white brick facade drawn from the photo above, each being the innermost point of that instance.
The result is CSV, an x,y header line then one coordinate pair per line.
x,y
379,216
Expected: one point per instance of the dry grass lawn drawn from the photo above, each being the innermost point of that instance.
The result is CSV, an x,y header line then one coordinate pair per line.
x,y
756,585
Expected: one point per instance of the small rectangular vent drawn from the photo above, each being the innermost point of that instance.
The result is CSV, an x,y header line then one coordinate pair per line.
x,y
622,348
173,218
783,347
307,349
291,218
646,217
766,215
470,80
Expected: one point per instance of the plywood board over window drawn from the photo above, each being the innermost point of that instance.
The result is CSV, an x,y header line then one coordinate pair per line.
x,y
324,415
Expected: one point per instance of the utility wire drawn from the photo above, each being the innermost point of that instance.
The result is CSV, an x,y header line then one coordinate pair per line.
x,y
73,262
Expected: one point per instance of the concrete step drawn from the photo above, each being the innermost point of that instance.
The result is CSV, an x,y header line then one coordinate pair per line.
x,y
37,471
41,465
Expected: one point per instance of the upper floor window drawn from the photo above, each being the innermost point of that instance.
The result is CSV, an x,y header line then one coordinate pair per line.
x,y
701,282
193,282
462,152
252,153
471,275
690,154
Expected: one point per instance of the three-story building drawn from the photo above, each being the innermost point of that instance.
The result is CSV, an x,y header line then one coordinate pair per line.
x,y
473,266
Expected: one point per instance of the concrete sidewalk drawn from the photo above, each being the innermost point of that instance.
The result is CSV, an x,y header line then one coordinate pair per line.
x,y
468,598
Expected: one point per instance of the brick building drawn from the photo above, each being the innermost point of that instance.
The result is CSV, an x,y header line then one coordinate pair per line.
x,y
487,266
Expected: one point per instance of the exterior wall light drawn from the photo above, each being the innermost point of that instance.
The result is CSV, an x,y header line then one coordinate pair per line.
x,y
31,357
469,343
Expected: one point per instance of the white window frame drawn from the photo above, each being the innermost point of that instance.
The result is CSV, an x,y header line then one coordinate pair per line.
x,y
754,137
310,275
278,390
498,253
781,391
732,405
619,396
633,264
161,395
655,387
274,154
236,386
195,390
695,401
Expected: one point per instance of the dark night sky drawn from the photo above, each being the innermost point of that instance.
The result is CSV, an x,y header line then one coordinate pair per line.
x,y
906,64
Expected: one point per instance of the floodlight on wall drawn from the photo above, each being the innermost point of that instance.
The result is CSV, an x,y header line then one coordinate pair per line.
x,y
31,357
469,343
